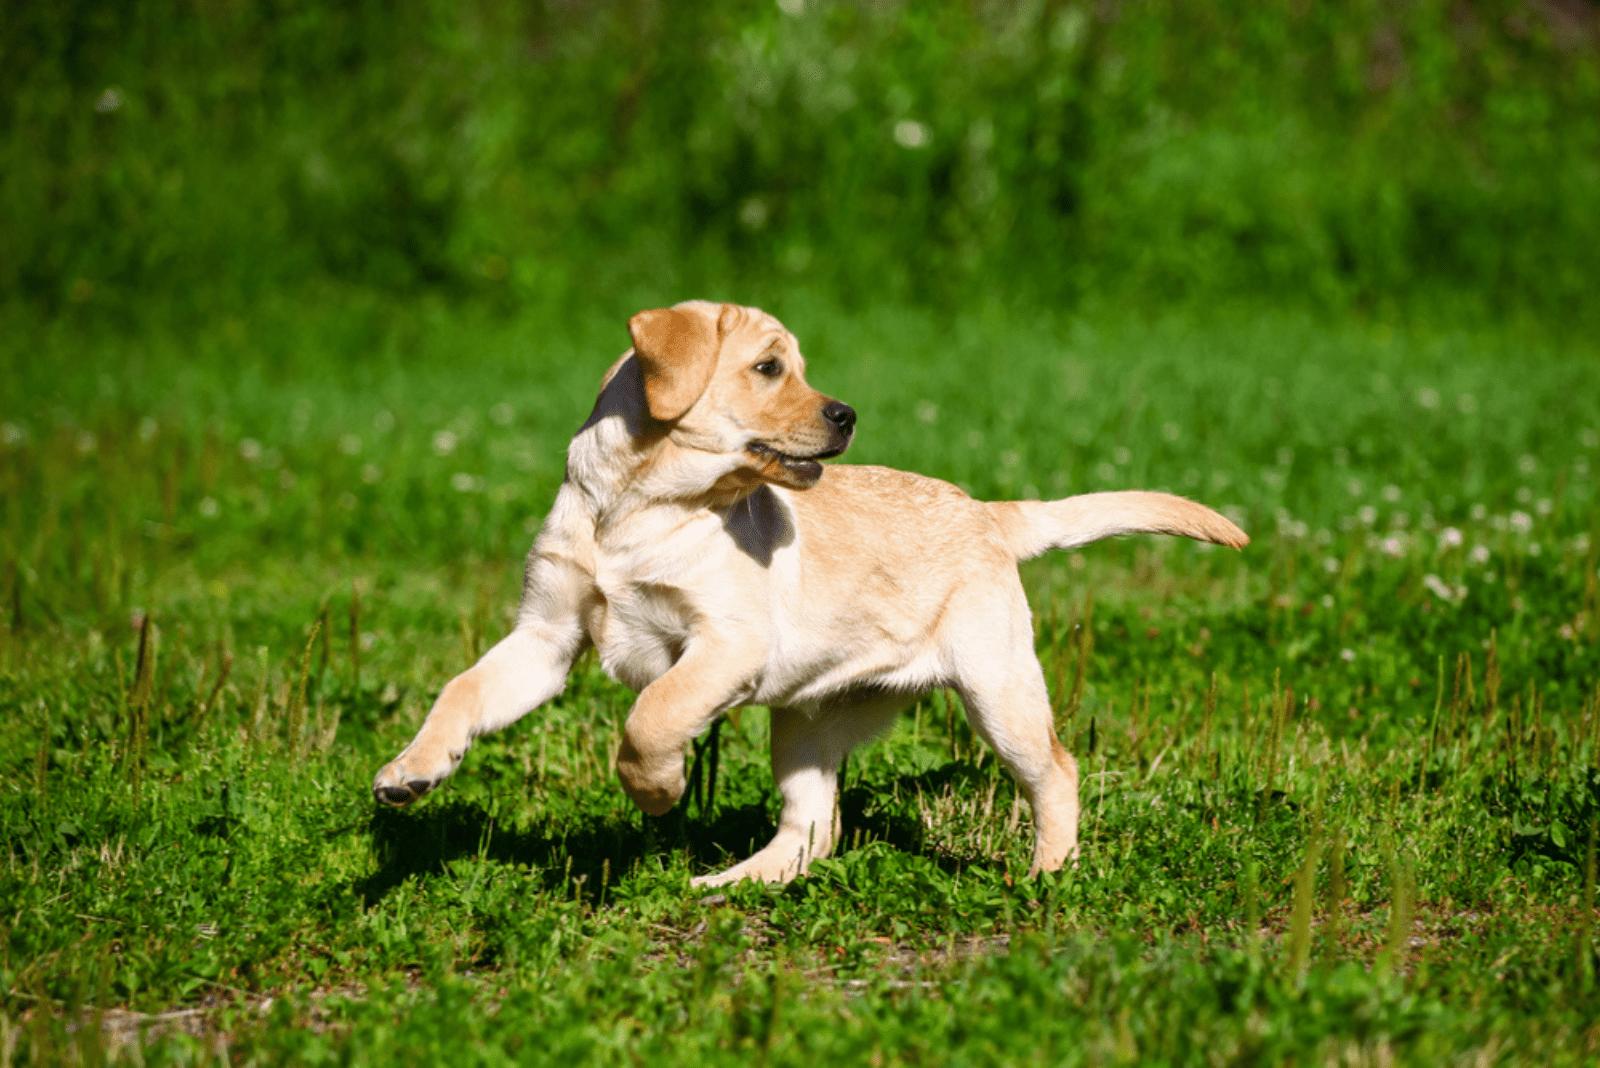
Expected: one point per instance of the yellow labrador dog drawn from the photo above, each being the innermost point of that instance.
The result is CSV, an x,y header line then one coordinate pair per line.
x,y
698,544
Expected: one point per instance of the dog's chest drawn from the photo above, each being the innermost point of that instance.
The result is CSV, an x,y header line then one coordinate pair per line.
x,y
649,594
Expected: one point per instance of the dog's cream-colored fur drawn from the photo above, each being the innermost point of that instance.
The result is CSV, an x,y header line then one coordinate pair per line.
x,y
701,548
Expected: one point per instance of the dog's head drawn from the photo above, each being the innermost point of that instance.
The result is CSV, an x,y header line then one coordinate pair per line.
x,y
730,381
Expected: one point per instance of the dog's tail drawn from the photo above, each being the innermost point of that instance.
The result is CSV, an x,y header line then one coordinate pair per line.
x,y
1034,527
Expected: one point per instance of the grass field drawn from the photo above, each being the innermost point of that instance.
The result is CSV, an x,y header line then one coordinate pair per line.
x,y
1340,790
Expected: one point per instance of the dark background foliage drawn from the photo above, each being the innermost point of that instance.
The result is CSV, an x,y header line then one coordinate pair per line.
x,y
1343,154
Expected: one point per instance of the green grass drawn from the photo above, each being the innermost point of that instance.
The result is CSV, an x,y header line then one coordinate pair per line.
x,y
1340,790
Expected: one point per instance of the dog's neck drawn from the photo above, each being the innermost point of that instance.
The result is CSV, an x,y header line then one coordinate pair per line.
x,y
623,461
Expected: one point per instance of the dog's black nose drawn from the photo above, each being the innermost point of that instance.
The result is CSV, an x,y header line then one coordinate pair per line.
x,y
840,415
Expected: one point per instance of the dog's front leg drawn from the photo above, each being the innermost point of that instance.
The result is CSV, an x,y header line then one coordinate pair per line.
x,y
709,678
527,668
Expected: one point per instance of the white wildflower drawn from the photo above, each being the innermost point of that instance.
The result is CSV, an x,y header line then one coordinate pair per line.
x,y
1443,590
753,213
909,133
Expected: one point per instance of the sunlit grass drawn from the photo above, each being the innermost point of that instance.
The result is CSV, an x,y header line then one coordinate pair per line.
x,y
1402,672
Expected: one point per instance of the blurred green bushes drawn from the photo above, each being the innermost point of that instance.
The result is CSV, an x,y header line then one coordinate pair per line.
x,y
209,153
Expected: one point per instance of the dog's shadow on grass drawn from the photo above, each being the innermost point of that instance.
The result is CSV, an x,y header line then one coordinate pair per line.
x,y
582,856
578,857
865,810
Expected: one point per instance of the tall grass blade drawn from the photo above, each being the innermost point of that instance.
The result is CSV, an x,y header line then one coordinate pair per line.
x,y
204,711
355,638
295,721
1402,902
1586,916
1304,902
1338,888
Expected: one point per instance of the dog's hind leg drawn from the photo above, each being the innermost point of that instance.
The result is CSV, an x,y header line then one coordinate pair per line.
x,y
524,670
806,754
1007,703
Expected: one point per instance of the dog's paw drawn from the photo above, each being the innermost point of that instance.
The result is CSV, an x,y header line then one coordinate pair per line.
x,y
654,788
735,874
655,799
412,774
778,863
403,794
653,795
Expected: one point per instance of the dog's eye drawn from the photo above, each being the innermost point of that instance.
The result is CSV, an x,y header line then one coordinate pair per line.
x,y
771,367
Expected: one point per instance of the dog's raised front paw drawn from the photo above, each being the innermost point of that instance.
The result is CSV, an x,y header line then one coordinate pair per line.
x,y
403,794
412,774
654,786
654,799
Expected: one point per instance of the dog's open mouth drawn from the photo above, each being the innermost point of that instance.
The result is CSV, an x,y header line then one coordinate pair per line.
x,y
805,468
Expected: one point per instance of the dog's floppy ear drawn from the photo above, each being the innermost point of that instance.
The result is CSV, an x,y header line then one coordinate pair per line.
x,y
677,351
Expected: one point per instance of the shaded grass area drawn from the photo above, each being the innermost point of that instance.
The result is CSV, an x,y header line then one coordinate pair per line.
x,y
1339,791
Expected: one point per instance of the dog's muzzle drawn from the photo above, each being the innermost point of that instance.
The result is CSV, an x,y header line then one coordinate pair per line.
x,y
805,469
